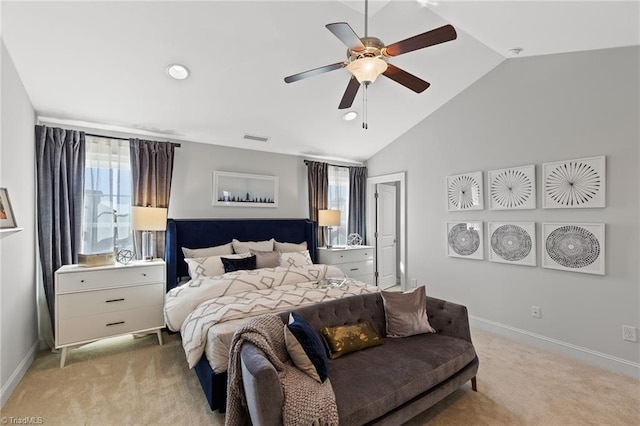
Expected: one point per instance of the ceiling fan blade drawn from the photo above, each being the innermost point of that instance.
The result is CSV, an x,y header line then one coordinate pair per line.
x,y
420,41
349,94
345,33
314,72
409,81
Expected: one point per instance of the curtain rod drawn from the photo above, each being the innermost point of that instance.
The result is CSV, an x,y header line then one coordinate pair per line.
x,y
306,162
177,145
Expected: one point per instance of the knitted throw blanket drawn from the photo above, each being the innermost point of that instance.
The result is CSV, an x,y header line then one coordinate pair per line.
x,y
306,402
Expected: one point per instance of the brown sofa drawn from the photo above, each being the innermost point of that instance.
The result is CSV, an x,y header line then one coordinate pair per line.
x,y
386,384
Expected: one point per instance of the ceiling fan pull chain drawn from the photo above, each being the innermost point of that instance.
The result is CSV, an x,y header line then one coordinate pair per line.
x,y
365,124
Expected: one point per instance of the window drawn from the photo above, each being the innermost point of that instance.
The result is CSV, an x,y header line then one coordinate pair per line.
x,y
107,196
338,199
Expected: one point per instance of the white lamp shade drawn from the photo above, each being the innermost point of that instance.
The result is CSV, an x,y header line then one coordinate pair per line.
x,y
366,70
149,218
328,217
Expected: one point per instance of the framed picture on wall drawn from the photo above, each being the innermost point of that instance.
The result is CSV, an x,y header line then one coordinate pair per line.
x,y
513,188
575,247
512,242
464,192
574,184
244,190
7,219
465,240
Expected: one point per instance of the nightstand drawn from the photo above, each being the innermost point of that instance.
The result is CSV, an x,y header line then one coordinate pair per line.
x,y
355,261
105,301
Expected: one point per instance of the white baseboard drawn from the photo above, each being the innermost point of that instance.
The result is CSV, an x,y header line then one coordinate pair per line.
x,y
600,359
18,374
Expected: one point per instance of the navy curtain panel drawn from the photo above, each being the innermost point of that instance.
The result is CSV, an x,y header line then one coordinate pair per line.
x,y
317,185
60,161
357,201
151,173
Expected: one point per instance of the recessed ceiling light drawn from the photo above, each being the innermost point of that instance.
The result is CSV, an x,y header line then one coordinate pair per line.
x,y
351,115
178,71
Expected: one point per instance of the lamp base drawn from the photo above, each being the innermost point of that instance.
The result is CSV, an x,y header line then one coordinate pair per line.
x,y
147,245
328,240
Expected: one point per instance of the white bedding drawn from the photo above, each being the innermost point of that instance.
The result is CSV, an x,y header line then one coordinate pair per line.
x,y
207,311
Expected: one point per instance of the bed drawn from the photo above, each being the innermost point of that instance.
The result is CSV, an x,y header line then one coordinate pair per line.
x,y
295,285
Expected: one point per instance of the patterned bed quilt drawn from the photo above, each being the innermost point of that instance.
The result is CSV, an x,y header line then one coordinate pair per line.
x,y
207,311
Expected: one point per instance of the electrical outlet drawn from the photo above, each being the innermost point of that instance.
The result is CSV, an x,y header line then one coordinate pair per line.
x,y
535,312
629,333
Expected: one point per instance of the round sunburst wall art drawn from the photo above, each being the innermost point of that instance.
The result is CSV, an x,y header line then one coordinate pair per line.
x,y
511,243
512,188
574,184
464,192
465,239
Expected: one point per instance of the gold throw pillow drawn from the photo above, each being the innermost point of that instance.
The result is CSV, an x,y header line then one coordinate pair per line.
x,y
345,339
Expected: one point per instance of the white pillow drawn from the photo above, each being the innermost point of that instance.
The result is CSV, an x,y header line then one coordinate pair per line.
x,y
211,266
290,247
209,251
245,246
295,259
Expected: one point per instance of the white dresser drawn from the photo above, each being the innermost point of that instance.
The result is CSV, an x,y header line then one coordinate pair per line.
x,y
355,261
105,301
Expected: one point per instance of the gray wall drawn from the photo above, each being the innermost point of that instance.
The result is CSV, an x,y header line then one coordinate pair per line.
x,y
530,111
18,317
192,185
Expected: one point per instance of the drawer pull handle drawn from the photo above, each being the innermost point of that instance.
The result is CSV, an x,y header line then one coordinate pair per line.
x,y
144,275
115,323
354,269
81,281
115,300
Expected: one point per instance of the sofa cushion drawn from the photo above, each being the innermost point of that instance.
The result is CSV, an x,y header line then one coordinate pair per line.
x,y
344,339
406,313
391,374
305,348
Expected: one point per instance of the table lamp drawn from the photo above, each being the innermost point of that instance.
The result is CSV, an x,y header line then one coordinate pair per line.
x,y
148,219
328,219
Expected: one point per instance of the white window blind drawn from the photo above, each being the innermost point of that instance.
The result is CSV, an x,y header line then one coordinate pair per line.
x,y
339,200
107,196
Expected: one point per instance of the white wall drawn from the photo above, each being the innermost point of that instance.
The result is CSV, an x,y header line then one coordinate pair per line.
x,y
18,317
530,111
192,185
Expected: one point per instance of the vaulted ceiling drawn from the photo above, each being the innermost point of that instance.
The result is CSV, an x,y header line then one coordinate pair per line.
x,y
102,64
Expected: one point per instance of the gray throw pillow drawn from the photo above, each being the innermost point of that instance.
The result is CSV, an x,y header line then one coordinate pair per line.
x,y
406,313
266,259
290,247
209,251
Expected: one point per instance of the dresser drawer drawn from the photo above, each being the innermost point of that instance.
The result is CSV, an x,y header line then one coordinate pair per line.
x,y
115,299
346,255
85,279
92,327
352,269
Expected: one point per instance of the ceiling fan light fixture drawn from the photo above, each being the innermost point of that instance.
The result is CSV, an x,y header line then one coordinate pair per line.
x,y
349,116
178,71
366,70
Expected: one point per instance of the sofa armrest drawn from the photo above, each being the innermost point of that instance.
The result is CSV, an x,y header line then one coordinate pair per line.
x,y
261,386
449,319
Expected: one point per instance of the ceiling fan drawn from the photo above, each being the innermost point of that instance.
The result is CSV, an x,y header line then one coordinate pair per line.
x,y
367,58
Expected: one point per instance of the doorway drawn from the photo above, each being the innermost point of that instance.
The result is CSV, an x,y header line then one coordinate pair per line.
x,y
387,229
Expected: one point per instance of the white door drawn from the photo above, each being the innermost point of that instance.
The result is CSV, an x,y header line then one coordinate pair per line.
x,y
386,225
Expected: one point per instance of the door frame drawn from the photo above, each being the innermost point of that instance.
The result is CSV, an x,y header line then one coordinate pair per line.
x,y
371,220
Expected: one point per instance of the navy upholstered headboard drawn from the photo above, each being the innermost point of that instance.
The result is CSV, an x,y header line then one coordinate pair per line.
x,y
200,233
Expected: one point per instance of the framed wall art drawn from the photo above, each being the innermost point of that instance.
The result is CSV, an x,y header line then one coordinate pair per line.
x,y
7,219
464,192
465,239
574,184
512,242
576,247
244,190
512,188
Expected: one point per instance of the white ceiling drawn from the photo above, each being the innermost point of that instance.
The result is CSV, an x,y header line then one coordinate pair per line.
x,y
103,63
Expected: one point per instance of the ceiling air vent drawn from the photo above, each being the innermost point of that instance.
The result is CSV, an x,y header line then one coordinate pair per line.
x,y
255,138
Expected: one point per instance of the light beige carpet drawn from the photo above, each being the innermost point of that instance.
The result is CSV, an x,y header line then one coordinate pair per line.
x,y
135,381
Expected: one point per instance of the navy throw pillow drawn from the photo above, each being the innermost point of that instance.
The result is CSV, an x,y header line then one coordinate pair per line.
x,y
305,348
243,264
